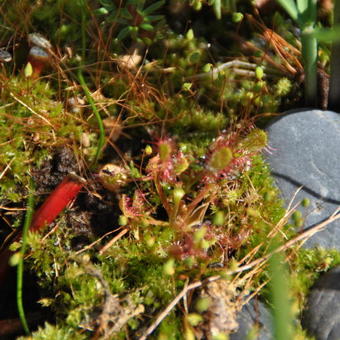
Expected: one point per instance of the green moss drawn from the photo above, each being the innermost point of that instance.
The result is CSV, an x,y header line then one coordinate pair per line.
x,y
308,265
170,328
31,122
56,333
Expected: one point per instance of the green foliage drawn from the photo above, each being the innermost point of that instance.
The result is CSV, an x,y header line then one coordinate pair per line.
x,y
219,6
56,333
281,302
20,268
135,19
31,117
308,265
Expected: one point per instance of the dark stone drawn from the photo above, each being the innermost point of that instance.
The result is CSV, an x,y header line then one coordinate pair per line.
x,y
253,314
321,317
305,152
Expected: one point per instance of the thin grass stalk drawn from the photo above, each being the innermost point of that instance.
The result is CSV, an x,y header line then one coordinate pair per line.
x,y
20,268
101,139
334,85
218,9
279,290
309,49
303,12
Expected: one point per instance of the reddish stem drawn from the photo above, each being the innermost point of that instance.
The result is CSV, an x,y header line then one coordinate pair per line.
x,y
62,195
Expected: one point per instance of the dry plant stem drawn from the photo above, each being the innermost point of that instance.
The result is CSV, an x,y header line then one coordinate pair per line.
x,y
173,303
255,293
95,242
234,65
110,243
282,222
303,236
201,195
6,168
11,209
281,47
31,110
239,67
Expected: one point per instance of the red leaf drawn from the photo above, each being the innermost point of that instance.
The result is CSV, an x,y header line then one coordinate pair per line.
x,y
62,195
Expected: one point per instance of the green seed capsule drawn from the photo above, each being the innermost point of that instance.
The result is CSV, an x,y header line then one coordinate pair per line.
x,y
190,34
219,218
169,267
148,150
122,220
259,72
305,202
237,17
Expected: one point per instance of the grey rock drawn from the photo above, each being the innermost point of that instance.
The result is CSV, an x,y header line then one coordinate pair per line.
x,y
305,151
253,314
322,314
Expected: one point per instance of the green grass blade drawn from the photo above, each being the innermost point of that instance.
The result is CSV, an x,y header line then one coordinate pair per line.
x,y
20,268
302,6
334,84
218,9
101,139
154,7
327,35
281,305
290,7
307,10
309,49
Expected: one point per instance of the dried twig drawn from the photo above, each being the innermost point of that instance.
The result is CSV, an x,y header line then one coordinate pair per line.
x,y
173,303
301,237
89,246
110,243
6,168
31,110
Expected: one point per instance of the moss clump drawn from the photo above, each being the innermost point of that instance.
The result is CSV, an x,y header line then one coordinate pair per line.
x,y
61,332
146,270
32,123
307,266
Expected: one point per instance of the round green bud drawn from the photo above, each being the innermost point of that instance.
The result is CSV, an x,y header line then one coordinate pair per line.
x,y
148,150
14,259
207,68
169,267
202,304
305,202
194,319
219,218
122,220
237,17
259,72
190,34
